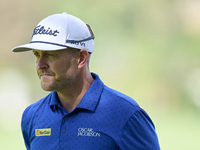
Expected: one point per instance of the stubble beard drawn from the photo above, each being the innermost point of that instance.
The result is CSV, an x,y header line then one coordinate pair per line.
x,y
59,85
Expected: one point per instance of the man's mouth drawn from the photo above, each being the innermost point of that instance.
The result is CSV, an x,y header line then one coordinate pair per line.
x,y
44,75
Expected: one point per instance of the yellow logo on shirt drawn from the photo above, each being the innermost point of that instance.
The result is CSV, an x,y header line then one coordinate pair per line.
x,y
43,132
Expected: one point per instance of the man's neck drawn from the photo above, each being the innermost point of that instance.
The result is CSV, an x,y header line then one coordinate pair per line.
x,y
70,98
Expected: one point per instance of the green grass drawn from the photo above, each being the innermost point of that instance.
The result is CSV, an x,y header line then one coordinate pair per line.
x,y
11,139
178,131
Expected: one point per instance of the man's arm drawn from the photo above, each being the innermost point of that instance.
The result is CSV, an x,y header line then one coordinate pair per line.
x,y
25,129
139,133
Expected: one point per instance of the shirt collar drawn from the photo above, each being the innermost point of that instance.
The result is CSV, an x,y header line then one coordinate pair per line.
x,y
92,96
54,101
90,99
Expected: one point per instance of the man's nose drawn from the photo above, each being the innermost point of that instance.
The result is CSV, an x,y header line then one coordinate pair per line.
x,y
42,63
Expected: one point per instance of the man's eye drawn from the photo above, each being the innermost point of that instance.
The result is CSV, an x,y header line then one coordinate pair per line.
x,y
36,54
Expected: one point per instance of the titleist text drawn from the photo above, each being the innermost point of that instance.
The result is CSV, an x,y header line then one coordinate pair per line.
x,y
41,30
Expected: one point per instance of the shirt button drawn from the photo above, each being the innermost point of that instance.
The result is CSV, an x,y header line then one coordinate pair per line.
x,y
63,130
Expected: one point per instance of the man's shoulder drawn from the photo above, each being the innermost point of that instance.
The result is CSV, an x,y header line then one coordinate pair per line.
x,y
114,94
119,100
36,106
117,108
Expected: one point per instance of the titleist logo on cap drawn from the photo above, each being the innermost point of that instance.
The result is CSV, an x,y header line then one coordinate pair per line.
x,y
41,30
60,31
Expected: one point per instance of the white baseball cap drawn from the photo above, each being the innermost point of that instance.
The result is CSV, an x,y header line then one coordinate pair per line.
x,y
59,31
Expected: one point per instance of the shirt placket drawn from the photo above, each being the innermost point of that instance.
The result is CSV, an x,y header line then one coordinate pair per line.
x,y
64,129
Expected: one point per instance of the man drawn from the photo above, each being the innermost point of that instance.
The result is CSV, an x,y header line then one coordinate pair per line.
x,y
80,113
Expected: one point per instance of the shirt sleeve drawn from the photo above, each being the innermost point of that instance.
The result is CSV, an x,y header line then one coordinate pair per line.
x,y
25,129
139,133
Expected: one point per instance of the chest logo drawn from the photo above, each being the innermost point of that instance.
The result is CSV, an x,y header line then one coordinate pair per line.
x,y
87,132
43,132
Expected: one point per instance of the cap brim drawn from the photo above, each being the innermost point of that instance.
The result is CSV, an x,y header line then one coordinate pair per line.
x,y
38,46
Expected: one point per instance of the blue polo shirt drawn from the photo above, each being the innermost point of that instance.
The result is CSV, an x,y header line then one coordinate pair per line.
x,y
104,120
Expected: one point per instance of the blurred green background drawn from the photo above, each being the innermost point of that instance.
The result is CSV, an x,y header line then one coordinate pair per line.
x,y
147,49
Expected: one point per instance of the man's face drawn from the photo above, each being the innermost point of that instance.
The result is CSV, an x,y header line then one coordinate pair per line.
x,y
57,70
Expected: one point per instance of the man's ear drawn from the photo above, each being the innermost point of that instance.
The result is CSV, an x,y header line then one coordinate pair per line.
x,y
83,58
